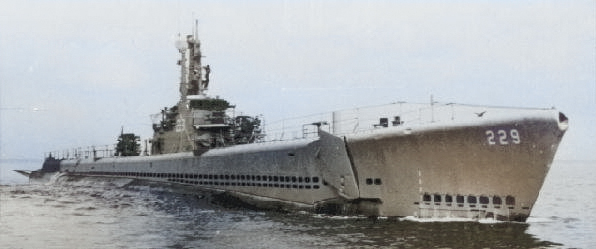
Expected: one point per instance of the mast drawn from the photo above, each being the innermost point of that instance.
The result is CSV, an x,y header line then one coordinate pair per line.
x,y
194,66
183,49
192,80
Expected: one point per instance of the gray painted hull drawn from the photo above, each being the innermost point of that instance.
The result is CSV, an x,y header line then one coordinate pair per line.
x,y
484,169
456,171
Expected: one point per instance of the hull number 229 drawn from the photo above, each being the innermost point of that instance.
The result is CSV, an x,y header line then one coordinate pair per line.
x,y
502,137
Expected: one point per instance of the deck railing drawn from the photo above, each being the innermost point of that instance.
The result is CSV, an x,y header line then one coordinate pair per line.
x,y
83,152
367,119
350,121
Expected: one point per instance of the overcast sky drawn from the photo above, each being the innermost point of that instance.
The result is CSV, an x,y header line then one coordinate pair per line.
x,y
73,72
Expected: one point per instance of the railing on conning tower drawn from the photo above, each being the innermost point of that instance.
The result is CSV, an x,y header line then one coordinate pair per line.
x,y
371,118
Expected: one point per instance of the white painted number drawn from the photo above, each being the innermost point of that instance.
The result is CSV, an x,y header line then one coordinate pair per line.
x,y
503,137
515,136
490,136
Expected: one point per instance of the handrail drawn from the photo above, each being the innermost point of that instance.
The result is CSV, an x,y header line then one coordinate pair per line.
x,y
95,152
348,121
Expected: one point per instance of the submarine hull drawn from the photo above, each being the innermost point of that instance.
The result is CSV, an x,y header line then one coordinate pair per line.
x,y
491,169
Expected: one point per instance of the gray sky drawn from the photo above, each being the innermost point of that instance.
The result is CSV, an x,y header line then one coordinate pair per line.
x,y
73,72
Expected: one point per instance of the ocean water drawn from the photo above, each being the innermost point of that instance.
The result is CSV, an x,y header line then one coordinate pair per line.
x,y
121,214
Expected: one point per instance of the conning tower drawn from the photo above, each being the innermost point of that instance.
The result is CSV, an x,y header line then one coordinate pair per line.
x,y
199,122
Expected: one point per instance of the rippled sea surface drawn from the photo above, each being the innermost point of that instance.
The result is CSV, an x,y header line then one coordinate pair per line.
x,y
124,214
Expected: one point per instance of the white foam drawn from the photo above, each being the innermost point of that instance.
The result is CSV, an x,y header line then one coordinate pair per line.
x,y
450,219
